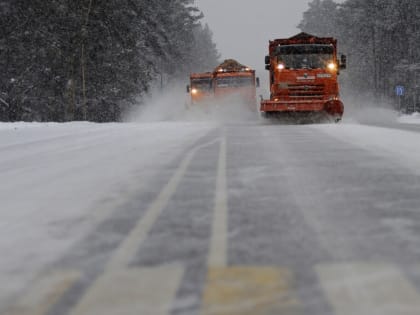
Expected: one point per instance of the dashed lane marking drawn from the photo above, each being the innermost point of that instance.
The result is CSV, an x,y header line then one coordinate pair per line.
x,y
250,291
368,289
45,292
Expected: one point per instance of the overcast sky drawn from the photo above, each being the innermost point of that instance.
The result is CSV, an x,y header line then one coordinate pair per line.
x,y
242,28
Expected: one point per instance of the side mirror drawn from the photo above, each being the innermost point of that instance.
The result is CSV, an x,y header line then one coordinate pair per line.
x,y
267,67
267,60
188,89
343,62
257,81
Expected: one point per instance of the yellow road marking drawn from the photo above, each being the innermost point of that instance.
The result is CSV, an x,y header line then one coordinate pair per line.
x,y
44,294
134,291
368,289
218,243
249,291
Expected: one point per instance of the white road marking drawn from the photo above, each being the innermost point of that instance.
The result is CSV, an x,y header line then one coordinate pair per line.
x,y
45,292
368,289
218,243
129,247
132,291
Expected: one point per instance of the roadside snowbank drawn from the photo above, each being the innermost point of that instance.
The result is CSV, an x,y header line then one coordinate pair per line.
x,y
401,145
410,119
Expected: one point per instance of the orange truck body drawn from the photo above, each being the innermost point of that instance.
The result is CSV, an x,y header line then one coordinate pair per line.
x,y
304,73
231,79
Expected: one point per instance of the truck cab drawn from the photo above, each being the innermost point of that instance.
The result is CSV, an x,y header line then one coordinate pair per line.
x,y
200,87
234,80
304,73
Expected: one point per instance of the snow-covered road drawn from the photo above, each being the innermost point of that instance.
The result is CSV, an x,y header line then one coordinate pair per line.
x,y
59,180
195,202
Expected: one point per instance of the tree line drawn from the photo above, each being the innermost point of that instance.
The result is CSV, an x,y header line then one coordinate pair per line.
x,y
381,39
63,60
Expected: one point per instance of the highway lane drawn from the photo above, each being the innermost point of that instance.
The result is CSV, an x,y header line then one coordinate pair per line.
x,y
250,219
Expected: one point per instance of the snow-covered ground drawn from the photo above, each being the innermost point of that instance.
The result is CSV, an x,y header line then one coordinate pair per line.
x,y
402,146
410,119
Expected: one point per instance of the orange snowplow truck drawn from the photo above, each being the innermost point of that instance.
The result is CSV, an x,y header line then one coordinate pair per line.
x,y
200,87
231,78
304,73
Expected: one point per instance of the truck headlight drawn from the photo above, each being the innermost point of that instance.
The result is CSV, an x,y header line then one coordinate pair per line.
x,y
194,91
332,66
281,66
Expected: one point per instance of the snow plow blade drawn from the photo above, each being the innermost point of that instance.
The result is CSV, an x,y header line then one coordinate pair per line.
x,y
333,109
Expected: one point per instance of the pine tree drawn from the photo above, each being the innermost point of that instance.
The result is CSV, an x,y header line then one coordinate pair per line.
x,y
84,59
381,39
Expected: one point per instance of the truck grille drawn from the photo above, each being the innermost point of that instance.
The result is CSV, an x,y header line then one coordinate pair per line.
x,y
306,91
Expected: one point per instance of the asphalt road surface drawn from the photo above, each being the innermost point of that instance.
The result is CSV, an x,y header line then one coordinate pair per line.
x,y
249,218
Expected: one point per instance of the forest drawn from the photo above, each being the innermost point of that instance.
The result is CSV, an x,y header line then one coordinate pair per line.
x,y
381,39
65,60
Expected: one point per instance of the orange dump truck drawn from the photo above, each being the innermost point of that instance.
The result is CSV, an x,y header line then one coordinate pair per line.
x,y
200,87
231,78
304,73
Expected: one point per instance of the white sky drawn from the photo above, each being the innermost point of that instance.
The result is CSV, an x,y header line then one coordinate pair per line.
x,y
242,28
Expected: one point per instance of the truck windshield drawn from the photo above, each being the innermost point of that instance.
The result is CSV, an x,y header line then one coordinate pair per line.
x,y
305,56
234,81
201,84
